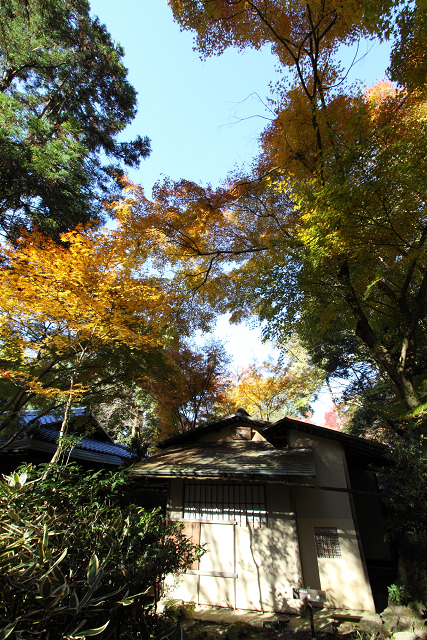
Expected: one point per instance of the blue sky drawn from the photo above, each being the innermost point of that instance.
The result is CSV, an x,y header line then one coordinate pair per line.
x,y
203,117
186,106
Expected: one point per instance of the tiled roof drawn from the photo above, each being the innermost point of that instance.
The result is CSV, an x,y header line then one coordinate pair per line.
x,y
88,443
51,418
229,459
79,415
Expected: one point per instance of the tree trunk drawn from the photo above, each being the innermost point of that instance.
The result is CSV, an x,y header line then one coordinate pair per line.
x,y
395,370
64,426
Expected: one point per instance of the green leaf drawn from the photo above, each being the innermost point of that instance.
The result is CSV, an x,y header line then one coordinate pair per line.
x,y
418,411
28,571
57,574
92,569
61,557
6,631
89,632
62,590
45,588
12,527
104,597
88,595
127,602
45,537
23,478
74,600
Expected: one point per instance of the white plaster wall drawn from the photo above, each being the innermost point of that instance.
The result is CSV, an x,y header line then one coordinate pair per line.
x,y
265,559
224,435
267,566
183,587
343,579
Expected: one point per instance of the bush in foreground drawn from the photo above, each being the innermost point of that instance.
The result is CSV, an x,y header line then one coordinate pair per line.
x,y
75,559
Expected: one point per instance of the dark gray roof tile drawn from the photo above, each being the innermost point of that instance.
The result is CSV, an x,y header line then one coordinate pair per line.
x,y
89,444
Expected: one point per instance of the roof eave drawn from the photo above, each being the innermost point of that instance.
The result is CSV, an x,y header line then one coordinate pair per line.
x,y
32,444
367,449
203,475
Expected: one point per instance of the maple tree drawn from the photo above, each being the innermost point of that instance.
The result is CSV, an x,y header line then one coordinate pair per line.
x,y
70,313
273,390
64,99
327,234
304,38
408,63
190,387
333,419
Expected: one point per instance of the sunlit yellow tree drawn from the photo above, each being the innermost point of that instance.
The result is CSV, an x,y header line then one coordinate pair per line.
x,y
274,390
62,304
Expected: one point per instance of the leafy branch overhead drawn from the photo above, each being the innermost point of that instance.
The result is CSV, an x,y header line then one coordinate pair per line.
x,y
326,236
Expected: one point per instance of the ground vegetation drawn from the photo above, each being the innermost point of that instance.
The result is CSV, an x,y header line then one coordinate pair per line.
x,y
79,556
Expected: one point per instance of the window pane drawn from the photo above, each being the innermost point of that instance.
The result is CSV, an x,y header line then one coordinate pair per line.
x,y
327,542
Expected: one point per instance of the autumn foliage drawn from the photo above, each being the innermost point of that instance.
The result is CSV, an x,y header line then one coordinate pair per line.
x,y
323,236
273,390
326,234
191,388
61,303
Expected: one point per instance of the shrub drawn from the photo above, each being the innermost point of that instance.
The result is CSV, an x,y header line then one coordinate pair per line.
x,y
397,594
76,557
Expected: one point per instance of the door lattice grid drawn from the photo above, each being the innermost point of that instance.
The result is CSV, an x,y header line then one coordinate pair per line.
x,y
225,502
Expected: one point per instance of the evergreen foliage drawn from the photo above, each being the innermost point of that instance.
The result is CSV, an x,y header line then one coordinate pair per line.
x,y
64,98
